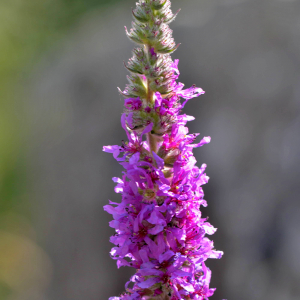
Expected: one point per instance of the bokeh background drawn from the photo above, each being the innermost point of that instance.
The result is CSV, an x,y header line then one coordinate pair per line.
x,y
60,64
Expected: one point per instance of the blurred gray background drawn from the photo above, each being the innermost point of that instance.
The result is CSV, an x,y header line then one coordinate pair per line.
x,y
246,55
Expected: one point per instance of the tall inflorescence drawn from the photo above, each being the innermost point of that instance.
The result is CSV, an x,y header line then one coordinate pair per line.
x,y
158,224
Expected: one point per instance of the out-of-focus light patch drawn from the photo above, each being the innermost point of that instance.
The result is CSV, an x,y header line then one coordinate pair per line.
x,y
28,295
17,224
197,13
232,2
8,143
24,267
23,263
261,74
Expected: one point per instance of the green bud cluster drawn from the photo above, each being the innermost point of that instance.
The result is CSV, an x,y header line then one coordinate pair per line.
x,y
150,67
151,25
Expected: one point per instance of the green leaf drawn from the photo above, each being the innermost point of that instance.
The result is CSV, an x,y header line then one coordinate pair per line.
x,y
167,50
158,6
168,21
135,71
140,18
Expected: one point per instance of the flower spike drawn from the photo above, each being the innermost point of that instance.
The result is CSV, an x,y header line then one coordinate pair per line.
x,y
159,227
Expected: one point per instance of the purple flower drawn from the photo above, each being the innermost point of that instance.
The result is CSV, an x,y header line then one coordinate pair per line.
x,y
133,103
159,229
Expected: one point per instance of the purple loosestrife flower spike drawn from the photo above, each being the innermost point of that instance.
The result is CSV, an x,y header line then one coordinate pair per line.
x,y
158,224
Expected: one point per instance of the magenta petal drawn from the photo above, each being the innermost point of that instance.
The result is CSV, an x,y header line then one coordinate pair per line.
x,y
123,123
117,179
209,229
161,244
152,246
180,273
134,159
129,120
166,256
205,140
171,240
148,283
148,265
216,254
108,208
159,161
187,286
211,292
122,263
115,150
157,229
148,128
144,255
150,272
156,218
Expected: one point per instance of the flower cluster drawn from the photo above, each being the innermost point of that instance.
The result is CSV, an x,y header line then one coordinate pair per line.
x,y
159,228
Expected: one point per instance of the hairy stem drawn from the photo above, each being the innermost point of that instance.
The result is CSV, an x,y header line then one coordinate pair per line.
x,y
152,141
149,91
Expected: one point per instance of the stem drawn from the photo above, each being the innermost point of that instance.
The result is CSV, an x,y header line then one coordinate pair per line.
x,y
149,92
152,141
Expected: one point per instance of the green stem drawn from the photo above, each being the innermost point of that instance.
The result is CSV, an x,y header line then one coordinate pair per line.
x,y
152,141
149,92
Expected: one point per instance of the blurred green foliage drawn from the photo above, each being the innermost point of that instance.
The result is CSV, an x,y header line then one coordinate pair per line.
x,y
27,29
